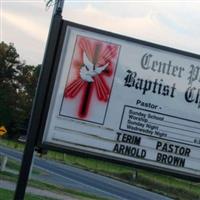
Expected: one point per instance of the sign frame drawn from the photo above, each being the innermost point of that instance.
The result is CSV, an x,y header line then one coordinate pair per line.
x,y
50,80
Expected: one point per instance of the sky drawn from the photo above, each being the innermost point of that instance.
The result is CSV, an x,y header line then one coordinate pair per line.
x,y
171,23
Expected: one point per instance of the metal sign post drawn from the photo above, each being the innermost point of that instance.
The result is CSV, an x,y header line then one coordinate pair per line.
x,y
39,100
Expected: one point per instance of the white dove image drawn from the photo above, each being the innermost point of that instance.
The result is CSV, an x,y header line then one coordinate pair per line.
x,y
89,70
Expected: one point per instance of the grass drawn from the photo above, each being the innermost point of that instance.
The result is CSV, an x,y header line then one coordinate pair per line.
x,y
12,144
8,195
167,185
12,177
8,176
76,193
176,188
15,166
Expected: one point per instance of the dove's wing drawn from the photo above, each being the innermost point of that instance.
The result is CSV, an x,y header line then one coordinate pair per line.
x,y
98,70
86,61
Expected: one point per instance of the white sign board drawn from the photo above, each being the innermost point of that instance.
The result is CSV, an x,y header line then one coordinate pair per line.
x,y
127,101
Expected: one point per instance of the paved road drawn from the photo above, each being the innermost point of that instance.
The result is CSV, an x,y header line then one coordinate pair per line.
x,y
7,185
72,177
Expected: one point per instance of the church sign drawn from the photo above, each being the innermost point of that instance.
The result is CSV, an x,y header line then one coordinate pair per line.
x,y
126,100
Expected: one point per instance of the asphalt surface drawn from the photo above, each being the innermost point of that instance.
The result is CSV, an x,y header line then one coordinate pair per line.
x,y
75,178
7,185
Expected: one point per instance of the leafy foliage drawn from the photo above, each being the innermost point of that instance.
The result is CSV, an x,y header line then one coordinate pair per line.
x,y
17,87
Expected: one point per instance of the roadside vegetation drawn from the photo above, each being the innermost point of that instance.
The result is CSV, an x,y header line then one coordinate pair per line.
x,y
8,195
43,186
11,175
166,185
163,184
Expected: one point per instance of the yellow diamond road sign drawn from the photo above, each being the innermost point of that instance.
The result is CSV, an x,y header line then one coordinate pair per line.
x,y
2,130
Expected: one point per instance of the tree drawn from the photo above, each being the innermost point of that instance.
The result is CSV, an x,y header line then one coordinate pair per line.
x,y
17,87
9,69
28,82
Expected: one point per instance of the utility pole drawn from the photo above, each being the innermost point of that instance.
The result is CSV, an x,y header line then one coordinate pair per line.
x,y
39,100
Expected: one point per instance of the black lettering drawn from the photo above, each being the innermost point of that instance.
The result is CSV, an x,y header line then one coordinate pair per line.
x,y
164,158
116,148
147,86
143,153
165,90
159,144
176,149
131,139
189,94
121,149
139,84
118,136
145,61
133,152
173,90
128,150
170,160
179,162
187,152
159,156
193,74
130,78
170,148
155,85
164,147
182,151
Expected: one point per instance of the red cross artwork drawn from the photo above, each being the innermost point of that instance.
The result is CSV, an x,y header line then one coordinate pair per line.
x,y
91,74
